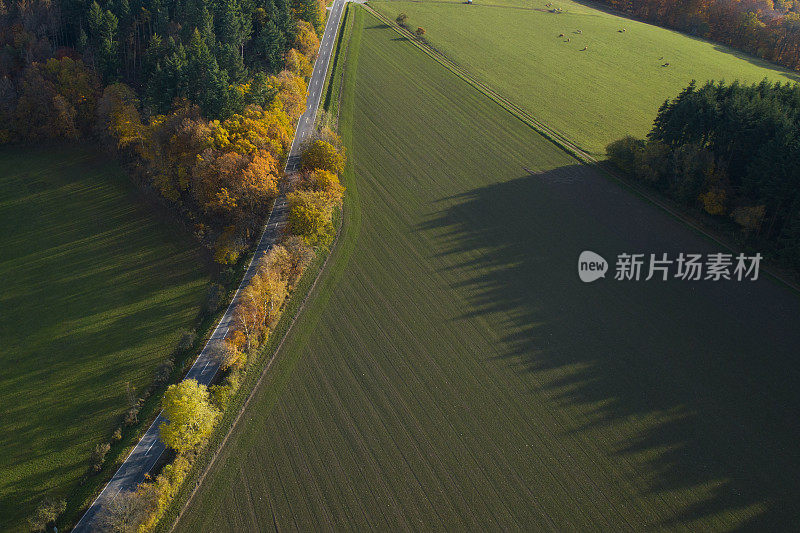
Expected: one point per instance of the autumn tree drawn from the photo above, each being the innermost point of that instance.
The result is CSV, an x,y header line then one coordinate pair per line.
x,y
310,217
307,41
271,288
248,315
230,356
46,513
401,19
311,11
322,155
190,416
328,184
298,64
299,255
118,116
123,513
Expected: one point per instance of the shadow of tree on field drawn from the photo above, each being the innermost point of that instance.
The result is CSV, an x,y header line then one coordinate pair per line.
x,y
703,374
99,289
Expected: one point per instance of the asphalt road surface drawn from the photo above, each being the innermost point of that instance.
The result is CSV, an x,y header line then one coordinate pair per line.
x,y
305,126
147,452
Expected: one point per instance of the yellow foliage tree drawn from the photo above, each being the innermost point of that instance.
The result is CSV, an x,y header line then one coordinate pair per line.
x,y
328,184
118,116
714,201
298,64
321,155
291,93
310,217
248,316
190,416
307,42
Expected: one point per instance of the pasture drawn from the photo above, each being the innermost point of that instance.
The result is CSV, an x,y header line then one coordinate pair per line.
x,y
452,372
96,293
611,89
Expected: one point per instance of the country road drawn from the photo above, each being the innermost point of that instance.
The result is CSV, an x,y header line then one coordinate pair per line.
x,y
150,448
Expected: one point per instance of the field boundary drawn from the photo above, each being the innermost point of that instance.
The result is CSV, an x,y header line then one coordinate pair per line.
x,y
570,147
308,293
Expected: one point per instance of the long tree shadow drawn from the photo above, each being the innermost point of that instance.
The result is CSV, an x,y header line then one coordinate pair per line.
x,y
704,372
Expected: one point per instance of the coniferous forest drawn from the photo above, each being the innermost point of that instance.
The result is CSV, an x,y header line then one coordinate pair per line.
x,y
199,97
732,150
199,50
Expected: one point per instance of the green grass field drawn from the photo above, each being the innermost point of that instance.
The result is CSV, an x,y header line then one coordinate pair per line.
x,y
96,293
594,97
453,373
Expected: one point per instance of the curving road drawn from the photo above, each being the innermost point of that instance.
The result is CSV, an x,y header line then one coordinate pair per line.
x,y
149,449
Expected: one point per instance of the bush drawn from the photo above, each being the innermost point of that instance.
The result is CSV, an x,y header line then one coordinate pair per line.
x,y
163,372
187,341
623,152
131,416
98,457
221,394
214,298
46,513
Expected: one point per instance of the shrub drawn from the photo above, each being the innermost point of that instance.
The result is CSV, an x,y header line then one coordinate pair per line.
x,y
622,152
131,416
187,341
163,372
98,456
214,298
46,513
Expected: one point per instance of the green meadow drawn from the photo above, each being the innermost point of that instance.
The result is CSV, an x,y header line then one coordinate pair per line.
x,y
96,293
611,89
451,372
